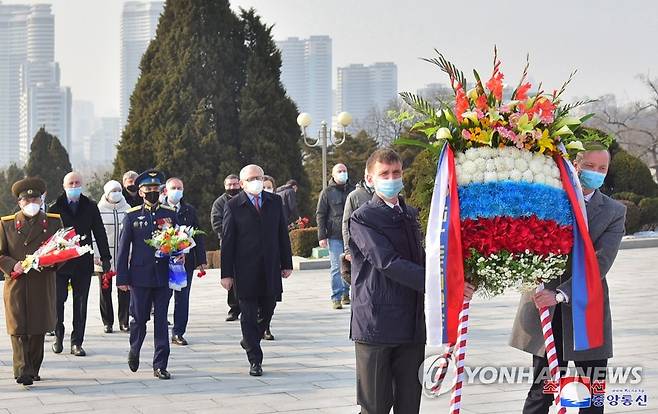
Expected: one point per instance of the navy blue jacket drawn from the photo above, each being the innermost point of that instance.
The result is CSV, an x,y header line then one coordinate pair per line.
x,y
186,216
255,246
136,261
388,275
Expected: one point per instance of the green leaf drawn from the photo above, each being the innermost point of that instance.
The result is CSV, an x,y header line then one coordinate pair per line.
x,y
413,143
419,104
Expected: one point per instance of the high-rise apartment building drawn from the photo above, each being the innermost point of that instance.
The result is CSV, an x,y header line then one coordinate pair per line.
x,y
139,21
306,75
362,89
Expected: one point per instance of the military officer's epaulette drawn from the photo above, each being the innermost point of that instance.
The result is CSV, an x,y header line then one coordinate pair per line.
x,y
7,218
167,207
53,215
133,209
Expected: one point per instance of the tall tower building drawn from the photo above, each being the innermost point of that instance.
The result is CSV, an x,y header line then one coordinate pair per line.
x,y
362,89
13,54
43,102
139,22
306,75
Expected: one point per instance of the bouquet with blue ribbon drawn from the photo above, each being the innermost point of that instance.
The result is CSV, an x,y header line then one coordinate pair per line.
x,y
173,242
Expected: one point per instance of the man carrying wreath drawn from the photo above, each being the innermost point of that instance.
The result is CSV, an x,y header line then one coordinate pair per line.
x,y
29,297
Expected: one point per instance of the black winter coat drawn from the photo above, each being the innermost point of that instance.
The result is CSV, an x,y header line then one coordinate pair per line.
x,y
289,199
255,246
86,220
388,275
329,214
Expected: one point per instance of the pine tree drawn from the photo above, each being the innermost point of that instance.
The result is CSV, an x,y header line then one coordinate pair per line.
x,y
49,160
183,117
269,135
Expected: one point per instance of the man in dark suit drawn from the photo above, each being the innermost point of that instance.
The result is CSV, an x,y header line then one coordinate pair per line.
x,y
231,189
79,212
130,190
255,255
194,260
605,218
144,274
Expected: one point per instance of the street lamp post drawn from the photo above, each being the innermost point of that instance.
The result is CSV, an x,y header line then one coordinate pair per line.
x,y
324,135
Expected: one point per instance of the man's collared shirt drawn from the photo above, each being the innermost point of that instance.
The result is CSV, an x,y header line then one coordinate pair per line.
x,y
589,196
253,199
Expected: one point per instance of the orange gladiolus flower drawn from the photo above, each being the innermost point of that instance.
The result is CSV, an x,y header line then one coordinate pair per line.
x,y
461,102
522,91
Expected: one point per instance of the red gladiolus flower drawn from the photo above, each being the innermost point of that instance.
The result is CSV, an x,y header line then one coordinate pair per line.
x,y
461,102
495,84
522,91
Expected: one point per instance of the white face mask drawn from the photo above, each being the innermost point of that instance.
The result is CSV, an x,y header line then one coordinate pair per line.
x,y
114,197
31,209
254,187
270,190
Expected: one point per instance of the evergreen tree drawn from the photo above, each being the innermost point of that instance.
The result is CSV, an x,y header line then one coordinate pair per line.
x,y
7,178
183,116
269,135
48,160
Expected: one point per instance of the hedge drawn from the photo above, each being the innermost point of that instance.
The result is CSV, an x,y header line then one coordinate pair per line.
x,y
633,220
628,173
649,211
303,241
627,195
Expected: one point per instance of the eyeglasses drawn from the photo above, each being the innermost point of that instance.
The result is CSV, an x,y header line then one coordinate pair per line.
x,y
257,178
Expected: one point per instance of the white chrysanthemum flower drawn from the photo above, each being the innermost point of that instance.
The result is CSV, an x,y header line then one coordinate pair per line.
x,y
484,152
521,164
539,178
498,162
463,179
490,176
490,165
526,155
458,170
527,176
471,154
515,152
481,164
460,158
477,177
515,175
536,165
554,171
469,167
503,175
508,163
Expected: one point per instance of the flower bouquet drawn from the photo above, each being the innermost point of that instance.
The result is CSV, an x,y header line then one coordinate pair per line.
x,y
62,246
507,210
172,242
300,223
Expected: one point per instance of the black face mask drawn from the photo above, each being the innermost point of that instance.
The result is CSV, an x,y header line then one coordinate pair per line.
x,y
152,196
132,188
233,192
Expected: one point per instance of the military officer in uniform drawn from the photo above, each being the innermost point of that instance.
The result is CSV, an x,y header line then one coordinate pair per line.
x,y
146,276
29,295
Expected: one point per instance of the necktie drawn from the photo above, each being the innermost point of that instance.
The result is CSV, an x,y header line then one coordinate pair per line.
x,y
256,203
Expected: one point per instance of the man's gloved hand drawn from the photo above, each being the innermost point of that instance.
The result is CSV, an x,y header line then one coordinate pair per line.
x,y
105,263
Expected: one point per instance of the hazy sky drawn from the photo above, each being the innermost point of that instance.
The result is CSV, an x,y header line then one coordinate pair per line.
x,y
608,41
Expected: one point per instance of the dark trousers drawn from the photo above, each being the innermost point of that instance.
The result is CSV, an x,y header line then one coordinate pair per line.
x,y
182,307
80,284
256,316
107,310
233,302
539,403
387,376
142,300
28,354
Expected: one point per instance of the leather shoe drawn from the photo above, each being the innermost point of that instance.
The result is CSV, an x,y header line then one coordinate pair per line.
x,y
133,361
178,340
36,378
24,379
57,346
256,370
162,374
231,317
108,329
78,351
124,328
268,335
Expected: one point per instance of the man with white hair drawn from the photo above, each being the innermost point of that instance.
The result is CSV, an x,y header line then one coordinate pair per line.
x,y
81,213
255,256
130,190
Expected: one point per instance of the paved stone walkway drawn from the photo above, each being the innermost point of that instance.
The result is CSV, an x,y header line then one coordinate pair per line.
x,y
310,366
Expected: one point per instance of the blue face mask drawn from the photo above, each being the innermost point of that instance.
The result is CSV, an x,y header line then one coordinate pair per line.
x,y
174,196
73,193
341,177
389,188
591,179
